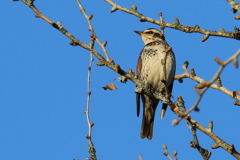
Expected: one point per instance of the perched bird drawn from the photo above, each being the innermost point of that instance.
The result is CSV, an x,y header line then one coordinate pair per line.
x,y
150,71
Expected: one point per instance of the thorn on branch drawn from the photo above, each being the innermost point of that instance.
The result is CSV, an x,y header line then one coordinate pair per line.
x,y
104,43
58,26
130,72
90,16
184,66
237,103
175,122
200,86
181,102
219,61
176,21
92,124
101,63
235,93
222,30
114,8
234,10
210,126
236,33
193,72
112,61
165,153
180,80
134,7
175,154
232,148
87,136
162,22
73,43
205,37
142,19
196,109
37,15
117,67
235,62
237,17
196,27
219,82
215,146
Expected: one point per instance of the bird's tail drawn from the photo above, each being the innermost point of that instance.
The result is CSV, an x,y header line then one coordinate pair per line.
x,y
150,106
147,129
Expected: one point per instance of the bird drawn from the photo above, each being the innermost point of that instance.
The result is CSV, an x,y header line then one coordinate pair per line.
x,y
150,71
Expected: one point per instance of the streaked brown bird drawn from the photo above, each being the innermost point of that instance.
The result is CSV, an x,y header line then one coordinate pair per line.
x,y
150,71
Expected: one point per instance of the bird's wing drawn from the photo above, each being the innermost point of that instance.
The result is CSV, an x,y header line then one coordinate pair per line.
x,y
138,72
164,106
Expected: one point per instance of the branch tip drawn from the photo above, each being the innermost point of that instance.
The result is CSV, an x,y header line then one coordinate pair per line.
x,y
114,8
104,43
101,63
37,15
215,146
235,62
112,61
134,7
193,72
176,21
219,61
205,37
90,16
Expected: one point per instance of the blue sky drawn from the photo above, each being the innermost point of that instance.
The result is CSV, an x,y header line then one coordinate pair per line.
x,y
44,81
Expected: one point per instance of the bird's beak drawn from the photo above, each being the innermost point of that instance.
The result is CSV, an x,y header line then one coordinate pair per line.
x,y
138,32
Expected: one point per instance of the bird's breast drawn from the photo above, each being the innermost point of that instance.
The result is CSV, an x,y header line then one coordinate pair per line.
x,y
152,71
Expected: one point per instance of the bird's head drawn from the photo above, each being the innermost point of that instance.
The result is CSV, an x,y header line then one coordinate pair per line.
x,y
150,35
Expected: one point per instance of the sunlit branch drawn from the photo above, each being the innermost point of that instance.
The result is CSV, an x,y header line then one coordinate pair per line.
x,y
195,143
176,24
208,131
205,85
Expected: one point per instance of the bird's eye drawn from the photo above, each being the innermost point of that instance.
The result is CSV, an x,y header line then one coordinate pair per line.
x,y
149,32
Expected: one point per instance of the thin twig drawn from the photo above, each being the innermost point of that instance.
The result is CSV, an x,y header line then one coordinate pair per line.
x,y
91,148
102,45
166,152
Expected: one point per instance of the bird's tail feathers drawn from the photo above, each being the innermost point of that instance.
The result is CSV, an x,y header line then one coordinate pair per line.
x,y
163,111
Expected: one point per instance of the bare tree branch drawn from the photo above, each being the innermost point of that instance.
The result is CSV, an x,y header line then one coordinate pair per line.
x,y
102,45
195,143
208,131
205,85
176,24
